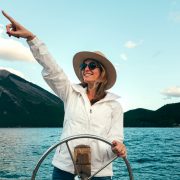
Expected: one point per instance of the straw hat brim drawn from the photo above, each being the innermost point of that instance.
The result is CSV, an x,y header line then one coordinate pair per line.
x,y
110,69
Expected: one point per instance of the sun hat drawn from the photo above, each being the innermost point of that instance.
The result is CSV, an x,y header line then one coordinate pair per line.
x,y
79,58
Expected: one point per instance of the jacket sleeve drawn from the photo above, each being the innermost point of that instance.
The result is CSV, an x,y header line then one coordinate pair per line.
x,y
52,73
116,129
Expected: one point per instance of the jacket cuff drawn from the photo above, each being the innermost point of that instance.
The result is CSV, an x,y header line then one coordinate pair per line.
x,y
35,42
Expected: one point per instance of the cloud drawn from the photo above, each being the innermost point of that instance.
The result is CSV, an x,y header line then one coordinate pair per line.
x,y
11,49
171,92
175,16
123,56
131,44
18,73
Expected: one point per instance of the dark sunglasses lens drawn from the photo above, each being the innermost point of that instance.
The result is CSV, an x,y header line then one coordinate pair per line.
x,y
92,65
83,66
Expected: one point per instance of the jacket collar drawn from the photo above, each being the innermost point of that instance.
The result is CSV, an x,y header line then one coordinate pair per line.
x,y
109,96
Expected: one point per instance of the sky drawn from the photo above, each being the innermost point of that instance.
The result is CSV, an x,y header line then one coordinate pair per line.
x,y
141,39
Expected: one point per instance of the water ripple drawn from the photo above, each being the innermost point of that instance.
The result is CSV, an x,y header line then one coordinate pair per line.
x,y
154,153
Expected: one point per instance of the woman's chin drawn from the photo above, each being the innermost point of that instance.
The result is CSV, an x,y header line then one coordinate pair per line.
x,y
88,81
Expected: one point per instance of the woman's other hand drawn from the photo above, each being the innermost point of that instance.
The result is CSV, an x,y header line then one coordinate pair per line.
x,y
119,148
17,30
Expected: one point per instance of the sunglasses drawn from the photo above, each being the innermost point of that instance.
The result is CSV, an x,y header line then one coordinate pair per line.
x,y
91,66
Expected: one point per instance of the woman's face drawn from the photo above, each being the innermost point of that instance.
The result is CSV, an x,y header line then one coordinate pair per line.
x,y
90,75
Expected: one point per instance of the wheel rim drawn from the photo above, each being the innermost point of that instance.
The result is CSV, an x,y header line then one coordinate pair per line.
x,y
66,140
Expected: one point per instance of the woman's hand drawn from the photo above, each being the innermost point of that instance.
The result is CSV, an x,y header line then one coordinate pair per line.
x,y
17,30
119,148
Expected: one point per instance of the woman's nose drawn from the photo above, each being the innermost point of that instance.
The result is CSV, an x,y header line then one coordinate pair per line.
x,y
87,68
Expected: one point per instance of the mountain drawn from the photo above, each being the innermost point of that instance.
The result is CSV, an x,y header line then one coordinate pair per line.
x,y
24,104
166,116
138,118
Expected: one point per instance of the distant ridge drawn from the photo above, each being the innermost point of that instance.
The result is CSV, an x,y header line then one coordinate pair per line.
x,y
4,74
166,116
24,104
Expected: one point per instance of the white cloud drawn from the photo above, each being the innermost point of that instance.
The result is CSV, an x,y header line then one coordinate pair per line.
x,y
131,44
175,16
18,73
123,56
171,92
11,49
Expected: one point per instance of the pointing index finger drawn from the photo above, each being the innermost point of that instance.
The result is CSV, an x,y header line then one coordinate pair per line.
x,y
8,17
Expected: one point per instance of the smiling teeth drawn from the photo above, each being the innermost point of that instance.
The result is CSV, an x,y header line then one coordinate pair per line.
x,y
87,74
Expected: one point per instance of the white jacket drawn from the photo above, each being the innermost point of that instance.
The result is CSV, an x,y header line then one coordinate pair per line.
x,y
104,118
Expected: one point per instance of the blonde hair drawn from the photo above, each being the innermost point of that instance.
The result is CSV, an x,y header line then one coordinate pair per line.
x,y
99,85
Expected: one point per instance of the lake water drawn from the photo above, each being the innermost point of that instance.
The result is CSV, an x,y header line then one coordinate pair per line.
x,y
154,153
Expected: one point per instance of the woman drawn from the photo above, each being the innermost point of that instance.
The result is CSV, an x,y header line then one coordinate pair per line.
x,y
89,108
